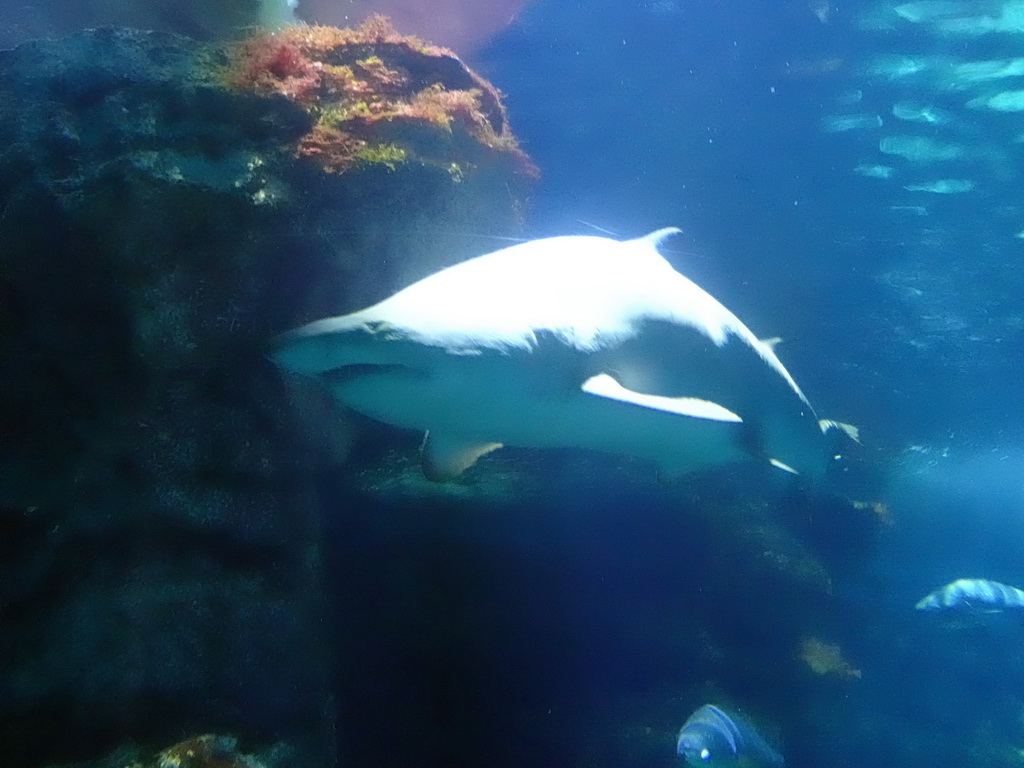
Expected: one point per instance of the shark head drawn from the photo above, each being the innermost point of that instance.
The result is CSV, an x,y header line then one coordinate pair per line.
x,y
574,341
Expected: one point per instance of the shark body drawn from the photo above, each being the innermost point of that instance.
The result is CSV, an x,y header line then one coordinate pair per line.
x,y
567,341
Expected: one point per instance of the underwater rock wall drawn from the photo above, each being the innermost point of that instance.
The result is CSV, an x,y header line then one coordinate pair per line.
x,y
159,533
46,18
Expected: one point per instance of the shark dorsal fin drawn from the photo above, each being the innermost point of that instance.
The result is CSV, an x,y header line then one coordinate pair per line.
x,y
656,237
445,457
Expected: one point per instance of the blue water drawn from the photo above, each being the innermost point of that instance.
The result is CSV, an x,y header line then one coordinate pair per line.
x,y
585,633
576,611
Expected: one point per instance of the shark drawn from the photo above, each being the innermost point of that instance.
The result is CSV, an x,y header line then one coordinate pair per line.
x,y
573,341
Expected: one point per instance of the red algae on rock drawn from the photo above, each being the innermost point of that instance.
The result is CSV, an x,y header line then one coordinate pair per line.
x,y
378,97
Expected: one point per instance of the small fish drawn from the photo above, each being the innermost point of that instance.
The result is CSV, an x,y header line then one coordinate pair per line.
x,y
861,121
1005,101
712,735
924,11
874,171
920,149
968,73
942,186
917,112
972,596
902,67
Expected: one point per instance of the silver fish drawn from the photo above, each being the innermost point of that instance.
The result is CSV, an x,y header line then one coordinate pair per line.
x,y
972,596
925,11
942,186
919,112
861,121
712,735
969,73
1005,101
874,171
920,149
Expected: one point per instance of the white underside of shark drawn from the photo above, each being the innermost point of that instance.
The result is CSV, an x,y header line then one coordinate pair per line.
x,y
580,342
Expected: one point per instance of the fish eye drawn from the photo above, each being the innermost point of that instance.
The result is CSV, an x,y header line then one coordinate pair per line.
x,y
705,754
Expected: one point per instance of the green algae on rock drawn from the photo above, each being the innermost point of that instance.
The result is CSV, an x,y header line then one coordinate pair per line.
x,y
379,97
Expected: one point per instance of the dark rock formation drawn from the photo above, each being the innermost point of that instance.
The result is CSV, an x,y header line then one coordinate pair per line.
x,y
202,20
159,524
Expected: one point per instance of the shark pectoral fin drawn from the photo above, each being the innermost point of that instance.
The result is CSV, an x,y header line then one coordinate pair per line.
x,y
604,385
445,457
